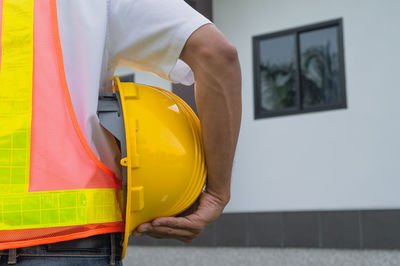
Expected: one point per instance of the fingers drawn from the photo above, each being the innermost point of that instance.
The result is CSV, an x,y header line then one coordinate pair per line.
x,y
165,232
184,228
184,223
173,222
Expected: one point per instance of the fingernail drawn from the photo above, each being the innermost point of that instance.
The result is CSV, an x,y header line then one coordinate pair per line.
x,y
157,224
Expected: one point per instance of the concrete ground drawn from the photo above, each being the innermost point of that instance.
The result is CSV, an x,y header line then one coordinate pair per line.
x,y
219,256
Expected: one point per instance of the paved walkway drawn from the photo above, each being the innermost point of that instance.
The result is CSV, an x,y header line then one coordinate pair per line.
x,y
194,256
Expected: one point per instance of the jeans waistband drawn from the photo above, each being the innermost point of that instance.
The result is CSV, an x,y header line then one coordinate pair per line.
x,y
106,245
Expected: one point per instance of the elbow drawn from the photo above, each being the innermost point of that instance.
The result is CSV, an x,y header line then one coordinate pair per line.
x,y
231,54
209,50
214,61
221,56
220,63
227,54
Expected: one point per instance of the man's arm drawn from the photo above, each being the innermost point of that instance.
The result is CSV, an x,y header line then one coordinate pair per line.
x,y
216,68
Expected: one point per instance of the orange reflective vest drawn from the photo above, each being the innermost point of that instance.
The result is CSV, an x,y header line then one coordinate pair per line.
x,y
52,186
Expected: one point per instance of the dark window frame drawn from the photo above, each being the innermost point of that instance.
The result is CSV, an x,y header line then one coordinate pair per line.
x,y
127,78
299,109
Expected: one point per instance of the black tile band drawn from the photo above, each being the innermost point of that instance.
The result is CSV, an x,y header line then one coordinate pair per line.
x,y
371,229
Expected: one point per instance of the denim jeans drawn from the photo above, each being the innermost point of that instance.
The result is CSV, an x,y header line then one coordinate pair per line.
x,y
93,251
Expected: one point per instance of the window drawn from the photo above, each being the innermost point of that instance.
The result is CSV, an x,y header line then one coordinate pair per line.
x,y
299,70
127,78
192,3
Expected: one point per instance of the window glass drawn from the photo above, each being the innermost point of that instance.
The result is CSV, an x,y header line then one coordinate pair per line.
x,y
278,73
320,67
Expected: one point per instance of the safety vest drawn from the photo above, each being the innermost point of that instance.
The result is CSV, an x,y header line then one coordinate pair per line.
x,y
52,186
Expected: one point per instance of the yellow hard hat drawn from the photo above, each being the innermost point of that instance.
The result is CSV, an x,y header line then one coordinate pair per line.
x,y
165,165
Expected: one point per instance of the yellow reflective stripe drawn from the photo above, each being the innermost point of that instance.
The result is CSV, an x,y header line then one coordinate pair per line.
x,y
16,93
59,208
20,209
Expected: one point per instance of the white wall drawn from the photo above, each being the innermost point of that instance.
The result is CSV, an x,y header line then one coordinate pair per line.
x,y
342,159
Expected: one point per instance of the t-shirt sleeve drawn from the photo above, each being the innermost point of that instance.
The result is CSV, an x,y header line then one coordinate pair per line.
x,y
149,35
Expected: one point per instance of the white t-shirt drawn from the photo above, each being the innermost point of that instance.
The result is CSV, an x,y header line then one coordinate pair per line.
x,y
98,35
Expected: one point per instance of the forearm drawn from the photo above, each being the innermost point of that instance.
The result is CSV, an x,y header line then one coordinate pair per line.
x,y
216,69
218,100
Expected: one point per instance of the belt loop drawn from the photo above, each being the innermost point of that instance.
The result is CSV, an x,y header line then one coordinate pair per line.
x,y
12,256
112,256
